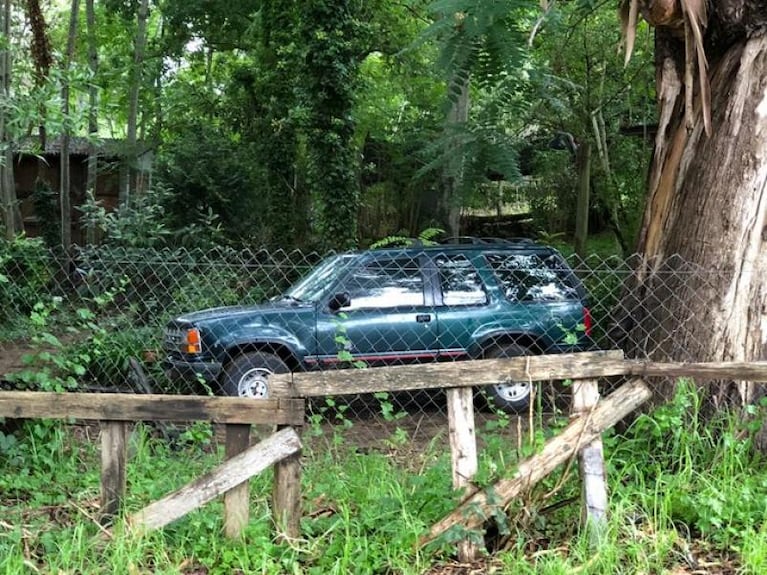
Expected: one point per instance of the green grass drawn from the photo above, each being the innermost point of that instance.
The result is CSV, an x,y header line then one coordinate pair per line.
x,y
682,490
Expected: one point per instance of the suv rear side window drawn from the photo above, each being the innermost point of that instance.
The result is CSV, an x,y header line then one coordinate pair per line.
x,y
530,277
386,284
459,281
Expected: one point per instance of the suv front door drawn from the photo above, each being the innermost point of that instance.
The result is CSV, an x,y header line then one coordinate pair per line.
x,y
390,316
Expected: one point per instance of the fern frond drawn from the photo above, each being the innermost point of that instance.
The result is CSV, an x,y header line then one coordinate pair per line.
x,y
391,241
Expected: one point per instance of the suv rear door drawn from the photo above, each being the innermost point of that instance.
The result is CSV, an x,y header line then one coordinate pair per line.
x,y
462,303
390,318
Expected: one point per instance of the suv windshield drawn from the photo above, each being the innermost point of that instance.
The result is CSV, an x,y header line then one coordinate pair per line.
x,y
315,285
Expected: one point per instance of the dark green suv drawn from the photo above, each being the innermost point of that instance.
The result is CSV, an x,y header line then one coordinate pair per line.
x,y
454,301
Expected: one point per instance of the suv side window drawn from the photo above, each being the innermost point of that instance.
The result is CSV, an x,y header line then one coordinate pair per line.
x,y
459,281
530,277
385,283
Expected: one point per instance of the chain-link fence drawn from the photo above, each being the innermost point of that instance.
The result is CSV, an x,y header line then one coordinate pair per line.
x,y
104,319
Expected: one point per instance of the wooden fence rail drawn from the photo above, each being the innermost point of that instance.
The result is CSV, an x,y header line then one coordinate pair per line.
x,y
590,417
582,431
478,373
114,411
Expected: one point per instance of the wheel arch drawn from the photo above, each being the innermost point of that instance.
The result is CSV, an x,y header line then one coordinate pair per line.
x,y
281,350
496,340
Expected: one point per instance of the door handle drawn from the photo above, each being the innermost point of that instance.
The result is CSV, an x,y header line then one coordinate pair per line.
x,y
423,318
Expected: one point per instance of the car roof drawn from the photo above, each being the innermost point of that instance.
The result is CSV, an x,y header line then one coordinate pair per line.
x,y
469,244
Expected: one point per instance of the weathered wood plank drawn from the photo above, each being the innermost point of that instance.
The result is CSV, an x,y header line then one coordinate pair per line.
x,y
472,510
147,407
236,500
591,465
113,461
457,374
737,370
230,473
585,365
463,451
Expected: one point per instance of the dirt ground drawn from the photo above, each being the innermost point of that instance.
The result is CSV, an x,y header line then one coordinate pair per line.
x,y
11,355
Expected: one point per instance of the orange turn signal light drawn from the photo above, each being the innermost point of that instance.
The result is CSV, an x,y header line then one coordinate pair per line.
x,y
193,341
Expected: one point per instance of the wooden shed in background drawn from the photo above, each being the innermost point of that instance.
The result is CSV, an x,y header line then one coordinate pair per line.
x,y
33,165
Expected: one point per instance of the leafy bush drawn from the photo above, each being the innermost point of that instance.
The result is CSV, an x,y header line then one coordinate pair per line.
x,y
108,352
698,474
212,175
144,223
551,196
50,365
26,271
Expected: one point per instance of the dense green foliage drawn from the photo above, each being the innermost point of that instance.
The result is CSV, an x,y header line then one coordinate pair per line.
x,y
25,273
329,124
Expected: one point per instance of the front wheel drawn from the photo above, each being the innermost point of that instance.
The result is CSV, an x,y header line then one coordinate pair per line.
x,y
248,375
509,396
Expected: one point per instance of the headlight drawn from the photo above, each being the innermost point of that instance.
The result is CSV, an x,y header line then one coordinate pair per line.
x,y
183,339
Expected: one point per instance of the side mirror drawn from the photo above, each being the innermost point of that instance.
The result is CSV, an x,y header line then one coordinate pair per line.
x,y
339,301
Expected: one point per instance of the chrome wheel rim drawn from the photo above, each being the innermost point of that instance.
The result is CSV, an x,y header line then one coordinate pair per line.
x,y
254,383
512,392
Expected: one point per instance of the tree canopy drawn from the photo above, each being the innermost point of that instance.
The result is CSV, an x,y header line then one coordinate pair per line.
x,y
332,123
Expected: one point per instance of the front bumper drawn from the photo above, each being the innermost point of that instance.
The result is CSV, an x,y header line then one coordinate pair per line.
x,y
178,369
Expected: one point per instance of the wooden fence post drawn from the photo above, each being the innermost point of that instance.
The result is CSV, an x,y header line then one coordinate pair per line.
x,y
472,511
236,500
591,462
286,497
463,450
215,483
113,459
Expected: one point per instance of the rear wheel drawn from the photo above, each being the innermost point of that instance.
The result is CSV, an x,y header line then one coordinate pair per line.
x,y
510,396
248,375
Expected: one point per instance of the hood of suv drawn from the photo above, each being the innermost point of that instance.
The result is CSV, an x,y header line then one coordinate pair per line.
x,y
284,322
240,312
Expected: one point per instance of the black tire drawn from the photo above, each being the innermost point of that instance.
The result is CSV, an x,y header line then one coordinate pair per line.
x,y
248,375
509,396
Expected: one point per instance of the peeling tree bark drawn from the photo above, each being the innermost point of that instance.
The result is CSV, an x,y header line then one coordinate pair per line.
x,y
707,204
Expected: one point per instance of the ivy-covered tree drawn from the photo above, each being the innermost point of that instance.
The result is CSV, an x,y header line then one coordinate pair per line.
x,y
329,33
276,135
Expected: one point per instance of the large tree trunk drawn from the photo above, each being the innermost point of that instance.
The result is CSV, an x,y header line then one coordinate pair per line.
x,y
65,183
8,202
701,286
278,24
130,175
458,116
42,56
93,115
